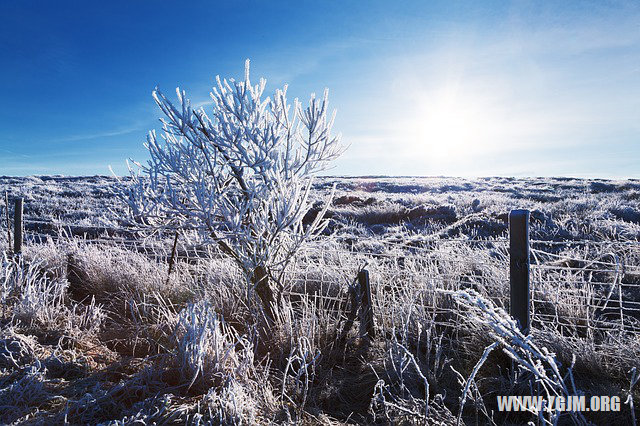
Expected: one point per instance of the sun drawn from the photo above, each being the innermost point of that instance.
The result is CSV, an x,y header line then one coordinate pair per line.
x,y
449,126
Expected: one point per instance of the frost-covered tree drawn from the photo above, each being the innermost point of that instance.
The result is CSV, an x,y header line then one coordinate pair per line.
x,y
240,173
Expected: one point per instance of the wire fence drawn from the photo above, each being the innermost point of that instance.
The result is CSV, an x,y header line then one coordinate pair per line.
x,y
579,288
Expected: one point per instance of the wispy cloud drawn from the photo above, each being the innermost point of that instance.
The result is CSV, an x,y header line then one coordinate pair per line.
x,y
97,135
14,154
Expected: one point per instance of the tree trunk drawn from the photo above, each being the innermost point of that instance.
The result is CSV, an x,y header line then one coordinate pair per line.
x,y
265,292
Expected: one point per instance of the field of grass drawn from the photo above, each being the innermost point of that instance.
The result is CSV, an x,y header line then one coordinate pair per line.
x,y
99,333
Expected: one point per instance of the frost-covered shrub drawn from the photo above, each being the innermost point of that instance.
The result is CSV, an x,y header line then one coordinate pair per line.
x,y
208,351
86,319
232,404
241,174
534,360
40,299
35,299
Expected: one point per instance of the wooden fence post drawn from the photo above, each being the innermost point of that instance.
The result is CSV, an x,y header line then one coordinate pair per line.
x,y
17,227
519,267
6,207
366,320
172,259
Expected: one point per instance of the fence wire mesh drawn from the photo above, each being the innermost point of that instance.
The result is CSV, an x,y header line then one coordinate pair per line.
x,y
579,288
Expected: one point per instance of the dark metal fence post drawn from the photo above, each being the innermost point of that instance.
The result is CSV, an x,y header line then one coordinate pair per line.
x,y
519,267
366,321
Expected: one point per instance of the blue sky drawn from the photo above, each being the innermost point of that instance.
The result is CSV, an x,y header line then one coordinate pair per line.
x,y
421,88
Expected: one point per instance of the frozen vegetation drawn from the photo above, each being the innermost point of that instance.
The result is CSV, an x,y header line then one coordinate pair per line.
x,y
98,332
